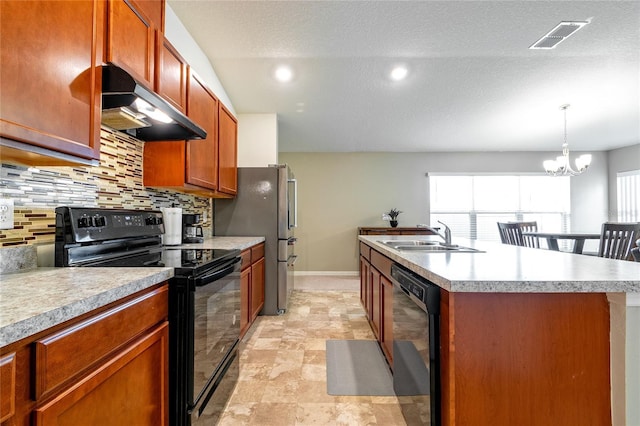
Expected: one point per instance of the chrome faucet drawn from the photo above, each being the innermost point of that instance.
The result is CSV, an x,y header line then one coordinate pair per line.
x,y
447,233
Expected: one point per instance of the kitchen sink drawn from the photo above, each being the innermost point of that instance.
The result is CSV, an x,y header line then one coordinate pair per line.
x,y
428,246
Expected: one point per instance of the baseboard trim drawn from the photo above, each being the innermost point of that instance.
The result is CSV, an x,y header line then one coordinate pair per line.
x,y
327,273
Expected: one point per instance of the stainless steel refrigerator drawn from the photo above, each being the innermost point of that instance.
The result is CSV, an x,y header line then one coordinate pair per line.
x,y
266,205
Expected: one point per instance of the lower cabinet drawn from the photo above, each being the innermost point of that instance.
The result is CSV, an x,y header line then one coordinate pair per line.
x,y
251,286
376,296
130,388
109,367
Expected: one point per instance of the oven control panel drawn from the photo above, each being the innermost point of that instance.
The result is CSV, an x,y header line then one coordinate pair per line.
x,y
78,224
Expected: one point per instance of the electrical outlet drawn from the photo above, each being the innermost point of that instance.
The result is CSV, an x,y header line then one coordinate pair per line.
x,y
6,213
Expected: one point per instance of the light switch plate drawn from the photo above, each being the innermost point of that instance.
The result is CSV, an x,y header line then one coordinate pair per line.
x,y
6,213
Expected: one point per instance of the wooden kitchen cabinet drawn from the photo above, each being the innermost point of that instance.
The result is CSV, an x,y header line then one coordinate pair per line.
x,y
202,155
228,151
375,317
171,75
251,286
376,295
7,386
109,367
257,280
132,31
51,81
393,231
188,166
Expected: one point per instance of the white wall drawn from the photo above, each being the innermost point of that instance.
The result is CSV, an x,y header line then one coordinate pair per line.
x,y
257,140
180,38
338,192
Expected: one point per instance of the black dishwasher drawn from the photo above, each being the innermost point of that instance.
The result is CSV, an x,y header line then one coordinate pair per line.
x,y
416,345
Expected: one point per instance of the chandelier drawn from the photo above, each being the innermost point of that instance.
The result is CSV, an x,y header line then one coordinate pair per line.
x,y
561,166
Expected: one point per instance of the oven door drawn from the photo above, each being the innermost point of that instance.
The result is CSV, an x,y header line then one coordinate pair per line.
x,y
215,333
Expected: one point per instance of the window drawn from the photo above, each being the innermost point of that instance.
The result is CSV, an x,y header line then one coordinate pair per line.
x,y
473,204
628,188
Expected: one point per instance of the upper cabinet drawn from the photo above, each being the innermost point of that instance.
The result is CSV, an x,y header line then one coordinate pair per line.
x,y
171,75
206,167
133,28
202,155
50,81
227,151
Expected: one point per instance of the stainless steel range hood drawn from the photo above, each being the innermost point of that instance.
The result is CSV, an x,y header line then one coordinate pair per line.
x,y
129,106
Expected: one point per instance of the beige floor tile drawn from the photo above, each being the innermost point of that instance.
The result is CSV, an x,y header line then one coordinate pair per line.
x,y
271,414
316,414
283,364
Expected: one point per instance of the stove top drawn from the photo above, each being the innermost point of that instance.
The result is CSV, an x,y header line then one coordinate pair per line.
x,y
126,238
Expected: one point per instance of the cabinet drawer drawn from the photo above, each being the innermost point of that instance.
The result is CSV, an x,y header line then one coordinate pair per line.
x,y
381,263
365,251
67,353
7,386
257,252
246,258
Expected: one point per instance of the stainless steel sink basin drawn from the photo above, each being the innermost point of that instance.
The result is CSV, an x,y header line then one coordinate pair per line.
x,y
427,246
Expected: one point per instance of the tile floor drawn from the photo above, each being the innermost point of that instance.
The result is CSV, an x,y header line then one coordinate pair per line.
x,y
282,363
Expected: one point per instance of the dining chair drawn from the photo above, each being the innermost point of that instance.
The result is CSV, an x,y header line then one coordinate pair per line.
x,y
617,239
511,233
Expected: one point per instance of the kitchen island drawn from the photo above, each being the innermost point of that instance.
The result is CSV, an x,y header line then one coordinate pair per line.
x,y
525,333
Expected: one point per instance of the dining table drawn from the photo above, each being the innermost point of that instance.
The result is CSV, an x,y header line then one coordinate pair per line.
x,y
553,237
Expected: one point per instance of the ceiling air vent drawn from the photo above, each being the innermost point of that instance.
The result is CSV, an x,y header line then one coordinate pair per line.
x,y
561,32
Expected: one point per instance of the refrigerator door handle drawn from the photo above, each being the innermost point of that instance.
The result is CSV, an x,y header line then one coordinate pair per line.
x,y
291,241
292,260
295,202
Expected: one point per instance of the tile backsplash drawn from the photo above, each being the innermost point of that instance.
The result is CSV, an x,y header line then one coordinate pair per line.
x,y
115,183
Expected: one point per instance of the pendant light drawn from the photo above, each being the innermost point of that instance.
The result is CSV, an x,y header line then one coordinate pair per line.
x,y
561,166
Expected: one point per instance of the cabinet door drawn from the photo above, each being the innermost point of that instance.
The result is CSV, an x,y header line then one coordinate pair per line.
x,y
245,300
131,39
47,102
364,284
257,288
171,75
228,151
202,155
386,335
375,302
129,389
8,386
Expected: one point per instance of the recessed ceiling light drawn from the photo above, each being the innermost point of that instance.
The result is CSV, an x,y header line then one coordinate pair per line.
x,y
283,74
399,73
558,34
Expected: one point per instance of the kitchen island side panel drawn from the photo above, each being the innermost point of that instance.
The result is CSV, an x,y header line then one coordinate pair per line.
x,y
525,359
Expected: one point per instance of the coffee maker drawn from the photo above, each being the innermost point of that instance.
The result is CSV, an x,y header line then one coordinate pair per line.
x,y
191,228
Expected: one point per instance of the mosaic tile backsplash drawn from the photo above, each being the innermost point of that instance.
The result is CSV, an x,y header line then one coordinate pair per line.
x,y
115,183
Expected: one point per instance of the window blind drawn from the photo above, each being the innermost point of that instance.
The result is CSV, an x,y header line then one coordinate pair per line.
x,y
473,204
628,191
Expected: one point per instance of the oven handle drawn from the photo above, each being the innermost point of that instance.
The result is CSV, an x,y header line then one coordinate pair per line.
x,y
217,274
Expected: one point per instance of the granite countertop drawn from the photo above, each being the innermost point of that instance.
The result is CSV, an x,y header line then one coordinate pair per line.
x,y
503,268
35,299
40,298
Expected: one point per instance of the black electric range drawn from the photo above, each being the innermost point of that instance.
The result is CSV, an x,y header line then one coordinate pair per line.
x,y
204,299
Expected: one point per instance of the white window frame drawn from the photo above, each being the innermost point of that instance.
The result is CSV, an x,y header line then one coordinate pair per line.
x,y
520,215
628,196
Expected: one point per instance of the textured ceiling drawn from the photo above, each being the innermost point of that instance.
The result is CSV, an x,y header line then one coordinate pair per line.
x,y
473,84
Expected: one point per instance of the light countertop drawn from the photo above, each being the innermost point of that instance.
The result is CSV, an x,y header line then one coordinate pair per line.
x,y
510,269
39,298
